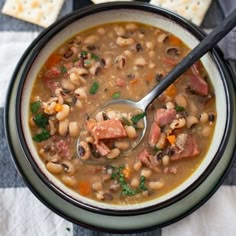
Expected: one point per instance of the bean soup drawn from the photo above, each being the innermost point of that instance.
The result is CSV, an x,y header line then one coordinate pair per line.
x,y
121,60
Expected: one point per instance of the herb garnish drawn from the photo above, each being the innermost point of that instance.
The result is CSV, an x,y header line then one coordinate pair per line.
x,y
42,136
41,120
35,106
63,69
94,88
138,117
179,108
116,95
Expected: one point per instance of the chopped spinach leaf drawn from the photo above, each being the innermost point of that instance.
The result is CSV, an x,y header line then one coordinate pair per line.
x,y
116,95
94,88
126,121
156,149
63,69
44,135
179,108
138,117
35,106
41,120
95,57
142,186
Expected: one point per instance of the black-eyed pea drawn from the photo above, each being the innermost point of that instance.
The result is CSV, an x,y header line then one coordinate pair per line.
x,y
191,121
108,61
120,61
99,116
128,53
204,118
91,39
74,79
151,65
97,186
52,127
155,185
146,173
115,152
165,160
61,115
73,129
78,104
54,168
95,68
81,93
31,122
181,100
69,180
161,38
151,54
84,150
111,114
137,165
120,30
131,27
68,167
122,42
89,139
134,182
122,145
206,131
131,132
178,123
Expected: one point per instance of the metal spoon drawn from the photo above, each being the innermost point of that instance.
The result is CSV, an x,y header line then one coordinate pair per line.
x,y
194,55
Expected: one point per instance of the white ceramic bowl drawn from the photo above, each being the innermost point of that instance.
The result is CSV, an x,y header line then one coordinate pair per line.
x,y
64,29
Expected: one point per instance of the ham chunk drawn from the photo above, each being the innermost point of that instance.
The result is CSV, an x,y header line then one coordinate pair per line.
x,y
197,83
102,148
154,134
107,129
188,148
164,116
147,159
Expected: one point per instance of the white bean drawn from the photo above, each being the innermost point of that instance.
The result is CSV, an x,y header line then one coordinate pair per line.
x,y
61,115
161,142
91,39
68,180
74,79
122,145
131,132
63,127
73,129
54,168
170,105
165,160
137,165
134,182
97,186
181,100
120,31
131,27
140,61
155,185
115,152
124,41
206,131
146,173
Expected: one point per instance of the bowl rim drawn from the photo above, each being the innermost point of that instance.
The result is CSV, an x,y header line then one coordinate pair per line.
x,y
60,25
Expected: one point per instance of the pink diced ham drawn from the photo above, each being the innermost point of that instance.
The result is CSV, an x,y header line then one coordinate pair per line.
x,y
164,116
102,148
197,83
120,82
154,134
190,149
107,129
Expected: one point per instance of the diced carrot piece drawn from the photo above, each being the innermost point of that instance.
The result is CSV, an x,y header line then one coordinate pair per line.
x,y
171,139
127,172
106,129
52,60
171,91
175,41
84,188
133,81
58,107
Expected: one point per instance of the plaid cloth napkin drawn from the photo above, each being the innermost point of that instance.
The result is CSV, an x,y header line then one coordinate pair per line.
x,y
21,213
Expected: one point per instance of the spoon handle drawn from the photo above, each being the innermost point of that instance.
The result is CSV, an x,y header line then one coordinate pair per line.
x,y
205,45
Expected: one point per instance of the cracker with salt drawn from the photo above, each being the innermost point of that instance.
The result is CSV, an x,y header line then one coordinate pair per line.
x,y
193,10
40,12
